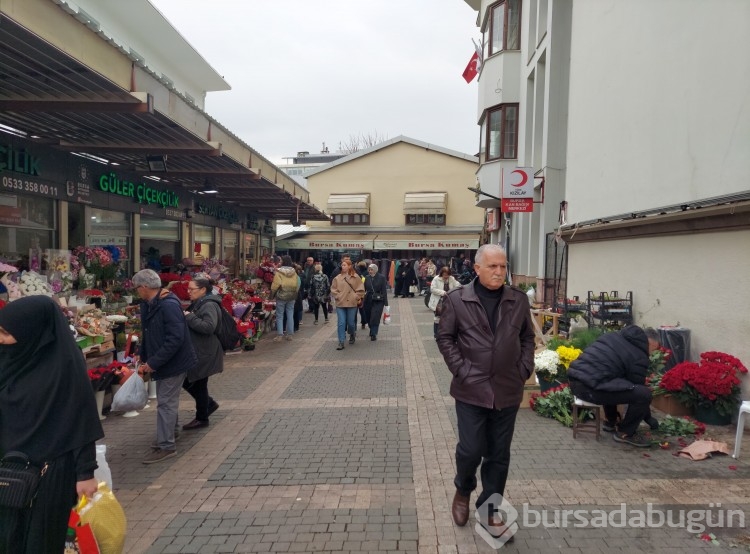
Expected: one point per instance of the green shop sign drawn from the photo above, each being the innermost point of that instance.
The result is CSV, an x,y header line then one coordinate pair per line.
x,y
140,192
217,211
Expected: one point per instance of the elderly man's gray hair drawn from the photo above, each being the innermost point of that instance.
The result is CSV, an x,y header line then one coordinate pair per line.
x,y
372,266
147,278
487,248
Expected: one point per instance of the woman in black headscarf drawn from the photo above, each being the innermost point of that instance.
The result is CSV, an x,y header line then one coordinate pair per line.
x,y
48,412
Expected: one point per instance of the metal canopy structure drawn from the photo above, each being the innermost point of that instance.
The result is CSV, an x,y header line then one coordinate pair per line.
x,y
53,99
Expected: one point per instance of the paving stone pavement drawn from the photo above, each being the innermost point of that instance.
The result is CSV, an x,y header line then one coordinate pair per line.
x,y
319,450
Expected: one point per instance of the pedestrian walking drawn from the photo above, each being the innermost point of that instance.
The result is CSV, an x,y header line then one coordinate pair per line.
x,y
348,291
48,413
376,298
320,293
284,289
203,317
167,354
487,340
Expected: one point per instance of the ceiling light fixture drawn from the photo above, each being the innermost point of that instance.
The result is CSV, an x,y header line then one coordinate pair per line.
x,y
157,163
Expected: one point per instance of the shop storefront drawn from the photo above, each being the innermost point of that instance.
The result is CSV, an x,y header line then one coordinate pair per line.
x,y
380,247
51,200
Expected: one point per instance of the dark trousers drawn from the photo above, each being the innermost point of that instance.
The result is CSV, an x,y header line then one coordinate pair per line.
x,y
316,308
638,400
199,391
484,436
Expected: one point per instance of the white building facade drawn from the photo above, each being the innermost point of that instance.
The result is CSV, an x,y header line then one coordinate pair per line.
x,y
641,132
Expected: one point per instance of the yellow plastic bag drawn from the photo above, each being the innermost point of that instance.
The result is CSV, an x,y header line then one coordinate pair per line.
x,y
106,518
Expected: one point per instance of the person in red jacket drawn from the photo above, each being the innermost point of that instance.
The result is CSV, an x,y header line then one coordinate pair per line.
x,y
486,337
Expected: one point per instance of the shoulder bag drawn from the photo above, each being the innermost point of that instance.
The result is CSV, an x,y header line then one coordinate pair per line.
x,y
360,301
376,296
19,481
439,306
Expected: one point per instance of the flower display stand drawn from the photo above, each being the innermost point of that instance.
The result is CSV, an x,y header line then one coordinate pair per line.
x,y
670,405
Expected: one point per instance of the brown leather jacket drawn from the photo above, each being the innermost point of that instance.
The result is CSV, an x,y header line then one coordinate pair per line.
x,y
488,370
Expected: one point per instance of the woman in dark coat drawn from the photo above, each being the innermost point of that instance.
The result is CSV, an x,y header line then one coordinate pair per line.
x,y
203,317
375,299
47,412
408,278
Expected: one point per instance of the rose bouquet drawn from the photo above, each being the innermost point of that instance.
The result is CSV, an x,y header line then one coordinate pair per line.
x,y
713,381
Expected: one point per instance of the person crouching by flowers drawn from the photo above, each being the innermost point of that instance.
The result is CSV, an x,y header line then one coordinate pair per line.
x,y
613,371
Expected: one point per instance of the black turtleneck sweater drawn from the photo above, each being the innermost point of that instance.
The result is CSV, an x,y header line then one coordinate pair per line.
x,y
490,300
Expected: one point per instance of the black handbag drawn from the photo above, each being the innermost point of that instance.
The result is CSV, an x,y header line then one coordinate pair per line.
x,y
19,481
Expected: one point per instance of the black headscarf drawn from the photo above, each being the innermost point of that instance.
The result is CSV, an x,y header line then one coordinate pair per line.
x,y
47,405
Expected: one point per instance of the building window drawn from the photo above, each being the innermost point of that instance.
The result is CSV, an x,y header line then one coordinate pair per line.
x,y
425,219
350,219
504,29
499,133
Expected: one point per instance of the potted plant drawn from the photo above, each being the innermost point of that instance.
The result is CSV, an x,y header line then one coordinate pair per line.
x,y
547,367
711,387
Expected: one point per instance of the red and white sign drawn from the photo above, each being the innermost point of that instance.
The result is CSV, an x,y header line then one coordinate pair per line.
x,y
508,205
518,189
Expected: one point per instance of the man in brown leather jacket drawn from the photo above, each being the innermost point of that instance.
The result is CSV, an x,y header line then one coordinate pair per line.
x,y
487,340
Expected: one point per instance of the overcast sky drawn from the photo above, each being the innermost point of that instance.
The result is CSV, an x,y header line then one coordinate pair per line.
x,y
304,72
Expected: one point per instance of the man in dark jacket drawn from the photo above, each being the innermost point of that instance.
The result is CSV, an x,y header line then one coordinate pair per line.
x,y
613,371
487,340
167,354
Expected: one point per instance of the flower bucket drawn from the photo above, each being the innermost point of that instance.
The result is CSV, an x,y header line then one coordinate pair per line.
x,y
709,415
670,405
545,385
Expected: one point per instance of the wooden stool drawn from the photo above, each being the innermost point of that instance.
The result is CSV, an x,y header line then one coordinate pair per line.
x,y
585,426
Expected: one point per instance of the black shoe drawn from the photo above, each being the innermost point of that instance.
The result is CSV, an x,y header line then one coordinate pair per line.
x,y
653,423
340,346
352,338
213,406
608,427
373,337
195,424
636,439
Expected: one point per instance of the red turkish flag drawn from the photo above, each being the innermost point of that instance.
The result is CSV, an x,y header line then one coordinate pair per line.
x,y
471,69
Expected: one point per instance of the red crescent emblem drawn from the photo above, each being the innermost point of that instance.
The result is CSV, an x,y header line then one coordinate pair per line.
x,y
524,178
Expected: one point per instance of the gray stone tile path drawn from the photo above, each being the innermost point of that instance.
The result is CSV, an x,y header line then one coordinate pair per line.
x,y
318,450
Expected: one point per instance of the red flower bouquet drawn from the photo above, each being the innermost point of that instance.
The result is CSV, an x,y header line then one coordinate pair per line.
x,y
713,381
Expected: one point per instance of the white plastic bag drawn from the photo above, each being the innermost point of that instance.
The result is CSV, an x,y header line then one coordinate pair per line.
x,y
386,315
131,396
305,304
102,473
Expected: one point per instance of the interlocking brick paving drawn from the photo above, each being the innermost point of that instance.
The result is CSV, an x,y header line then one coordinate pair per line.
x,y
341,530
235,383
338,445
341,381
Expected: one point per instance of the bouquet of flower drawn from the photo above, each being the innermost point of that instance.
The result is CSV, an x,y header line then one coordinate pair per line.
x,y
214,268
546,364
31,284
101,261
101,377
567,355
713,381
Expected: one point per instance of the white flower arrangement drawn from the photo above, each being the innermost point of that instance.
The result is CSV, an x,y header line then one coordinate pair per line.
x,y
31,284
546,362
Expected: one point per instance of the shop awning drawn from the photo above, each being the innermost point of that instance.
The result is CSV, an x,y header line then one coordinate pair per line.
x,y
348,204
344,241
94,112
425,202
327,241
